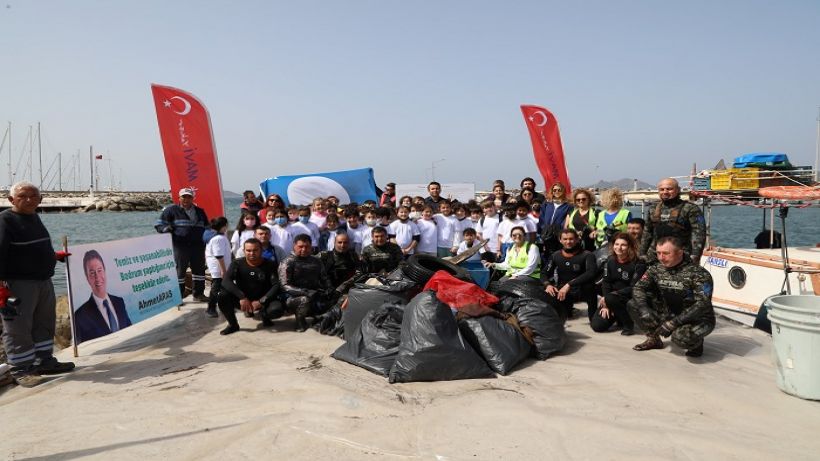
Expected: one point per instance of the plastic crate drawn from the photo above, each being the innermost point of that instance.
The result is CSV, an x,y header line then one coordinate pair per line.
x,y
745,178
699,183
801,175
721,180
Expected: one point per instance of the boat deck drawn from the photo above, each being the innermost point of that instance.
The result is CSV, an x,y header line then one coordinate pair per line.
x,y
172,388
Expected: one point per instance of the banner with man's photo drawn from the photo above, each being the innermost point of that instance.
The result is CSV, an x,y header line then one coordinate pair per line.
x,y
116,284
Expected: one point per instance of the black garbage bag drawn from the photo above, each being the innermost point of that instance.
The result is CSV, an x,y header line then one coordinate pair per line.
x,y
501,344
546,325
432,348
363,298
526,287
330,323
375,344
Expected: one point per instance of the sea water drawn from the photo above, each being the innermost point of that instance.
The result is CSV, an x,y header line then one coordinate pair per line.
x,y
732,227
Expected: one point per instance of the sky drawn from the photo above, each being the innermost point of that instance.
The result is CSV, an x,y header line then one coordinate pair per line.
x,y
641,89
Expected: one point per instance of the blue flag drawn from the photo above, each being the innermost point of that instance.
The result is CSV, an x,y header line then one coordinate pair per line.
x,y
348,186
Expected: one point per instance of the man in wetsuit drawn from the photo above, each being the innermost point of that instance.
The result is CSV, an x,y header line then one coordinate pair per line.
x,y
340,263
381,256
674,217
252,285
570,273
306,285
673,298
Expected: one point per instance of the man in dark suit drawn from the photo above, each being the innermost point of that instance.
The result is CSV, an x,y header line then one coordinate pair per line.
x,y
103,313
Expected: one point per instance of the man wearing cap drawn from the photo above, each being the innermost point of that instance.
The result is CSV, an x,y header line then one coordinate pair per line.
x,y
186,223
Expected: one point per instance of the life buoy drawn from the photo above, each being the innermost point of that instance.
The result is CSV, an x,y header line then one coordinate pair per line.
x,y
791,192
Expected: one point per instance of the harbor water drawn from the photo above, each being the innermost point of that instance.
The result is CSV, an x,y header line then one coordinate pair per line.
x,y
732,227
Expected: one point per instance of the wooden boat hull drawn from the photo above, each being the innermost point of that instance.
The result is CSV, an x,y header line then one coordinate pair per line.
x,y
744,278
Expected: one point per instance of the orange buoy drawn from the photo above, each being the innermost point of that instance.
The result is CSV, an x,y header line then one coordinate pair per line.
x,y
791,192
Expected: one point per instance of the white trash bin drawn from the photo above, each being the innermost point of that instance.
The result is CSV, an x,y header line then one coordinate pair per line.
x,y
796,337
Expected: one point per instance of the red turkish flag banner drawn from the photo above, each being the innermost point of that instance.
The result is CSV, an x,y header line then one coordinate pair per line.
x,y
188,143
546,146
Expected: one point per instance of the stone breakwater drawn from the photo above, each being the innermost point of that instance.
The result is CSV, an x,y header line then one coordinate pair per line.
x,y
130,201
82,202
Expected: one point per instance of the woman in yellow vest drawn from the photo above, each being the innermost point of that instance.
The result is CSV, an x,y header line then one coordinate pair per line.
x,y
583,217
614,219
523,258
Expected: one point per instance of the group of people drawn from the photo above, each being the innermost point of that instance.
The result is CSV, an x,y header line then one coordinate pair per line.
x,y
302,259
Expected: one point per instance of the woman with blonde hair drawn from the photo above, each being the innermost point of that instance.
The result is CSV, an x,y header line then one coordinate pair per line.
x,y
583,218
552,216
615,218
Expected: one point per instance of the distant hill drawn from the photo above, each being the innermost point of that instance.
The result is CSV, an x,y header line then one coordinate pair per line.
x,y
229,194
623,184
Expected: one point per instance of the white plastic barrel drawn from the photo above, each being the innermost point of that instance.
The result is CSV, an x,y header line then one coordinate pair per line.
x,y
796,337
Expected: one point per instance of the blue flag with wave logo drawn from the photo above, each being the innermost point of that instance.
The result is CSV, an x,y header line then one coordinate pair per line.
x,y
348,186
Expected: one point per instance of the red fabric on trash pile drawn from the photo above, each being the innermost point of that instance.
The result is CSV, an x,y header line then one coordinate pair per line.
x,y
460,295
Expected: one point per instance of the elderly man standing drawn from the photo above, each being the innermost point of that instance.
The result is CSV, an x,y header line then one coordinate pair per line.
x,y
27,262
674,217
673,298
186,223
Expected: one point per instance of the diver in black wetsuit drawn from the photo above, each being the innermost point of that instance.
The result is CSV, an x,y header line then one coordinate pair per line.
x,y
571,273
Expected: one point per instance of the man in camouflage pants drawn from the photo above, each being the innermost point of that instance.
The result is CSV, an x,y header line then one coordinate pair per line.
x,y
674,217
673,298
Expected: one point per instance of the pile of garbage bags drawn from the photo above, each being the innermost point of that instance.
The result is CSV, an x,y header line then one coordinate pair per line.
x,y
444,327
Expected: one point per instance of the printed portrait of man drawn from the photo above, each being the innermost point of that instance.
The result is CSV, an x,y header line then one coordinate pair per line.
x,y
103,313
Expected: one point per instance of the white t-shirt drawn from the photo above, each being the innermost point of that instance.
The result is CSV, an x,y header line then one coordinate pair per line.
x,y
367,234
238,241
281,237
217,246
429,236
507,225
458,231
404,232
462,247
356,237
308,228
489,230
318,220
446,226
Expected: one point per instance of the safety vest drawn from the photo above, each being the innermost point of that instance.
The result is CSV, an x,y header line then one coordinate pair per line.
x,y
618,223
519,261
591,216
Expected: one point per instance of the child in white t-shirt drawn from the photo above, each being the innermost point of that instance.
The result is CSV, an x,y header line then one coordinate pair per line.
x,y
245,229
428,232
404,232
462,222
487,228
218,259
304,226
280,234
468,242
446,226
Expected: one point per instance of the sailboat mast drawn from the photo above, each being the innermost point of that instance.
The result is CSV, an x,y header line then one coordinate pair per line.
x,y
817,150
40,153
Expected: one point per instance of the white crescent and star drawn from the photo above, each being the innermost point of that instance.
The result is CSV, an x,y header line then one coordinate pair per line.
x,y
543,118
167,103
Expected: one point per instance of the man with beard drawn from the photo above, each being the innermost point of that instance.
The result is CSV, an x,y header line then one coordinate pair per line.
x,y
571,274
674,217
673,298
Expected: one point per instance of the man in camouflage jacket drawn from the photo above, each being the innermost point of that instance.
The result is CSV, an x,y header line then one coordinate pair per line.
x,y
673,298
674,217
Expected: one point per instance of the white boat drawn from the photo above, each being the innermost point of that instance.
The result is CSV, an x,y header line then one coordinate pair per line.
x,y
744,278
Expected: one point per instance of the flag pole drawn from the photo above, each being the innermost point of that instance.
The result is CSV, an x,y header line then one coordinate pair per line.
x,y
70,297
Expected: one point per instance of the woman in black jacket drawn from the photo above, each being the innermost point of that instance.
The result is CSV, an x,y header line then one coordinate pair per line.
x,y
621,271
